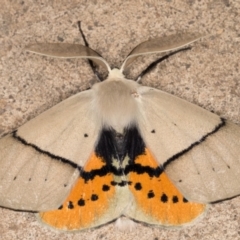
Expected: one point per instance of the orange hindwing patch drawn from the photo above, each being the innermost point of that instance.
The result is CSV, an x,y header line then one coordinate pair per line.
x,y
125,181
158,199
86,203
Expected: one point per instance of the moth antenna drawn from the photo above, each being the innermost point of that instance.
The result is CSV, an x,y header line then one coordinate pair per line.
x,y
156,62
92,65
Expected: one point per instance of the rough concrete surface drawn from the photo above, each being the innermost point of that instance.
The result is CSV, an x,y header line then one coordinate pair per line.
x,y
207,75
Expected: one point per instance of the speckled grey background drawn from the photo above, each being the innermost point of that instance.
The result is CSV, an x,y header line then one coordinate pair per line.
x,y
208,75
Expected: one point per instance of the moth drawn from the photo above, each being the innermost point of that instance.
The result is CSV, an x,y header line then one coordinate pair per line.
x,y
119,149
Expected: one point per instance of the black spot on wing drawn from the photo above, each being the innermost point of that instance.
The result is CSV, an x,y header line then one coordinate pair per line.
x,y
94,197
113,183
138,186
70,205
164,198
81,202
151,194
105,188
175,199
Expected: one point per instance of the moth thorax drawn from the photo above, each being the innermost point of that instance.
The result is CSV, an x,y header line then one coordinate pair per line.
x,y
115,103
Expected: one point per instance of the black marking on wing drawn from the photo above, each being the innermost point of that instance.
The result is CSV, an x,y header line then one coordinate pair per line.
x,y
105,188
139,169
151,194
53,156
81,202
164,198
138,186
203,138
175,199
70,205
121,183
112,145
94,197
